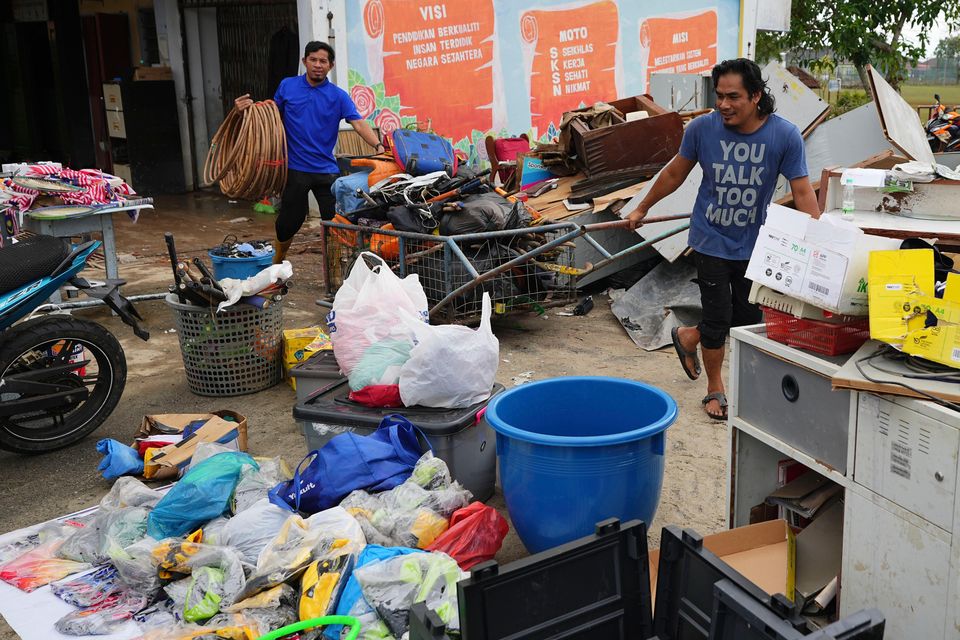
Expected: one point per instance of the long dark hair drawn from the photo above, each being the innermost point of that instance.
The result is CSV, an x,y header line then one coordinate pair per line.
x,y
753,81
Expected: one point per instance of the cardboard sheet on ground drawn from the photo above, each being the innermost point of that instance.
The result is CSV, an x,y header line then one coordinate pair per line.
x,y
663,299
32,615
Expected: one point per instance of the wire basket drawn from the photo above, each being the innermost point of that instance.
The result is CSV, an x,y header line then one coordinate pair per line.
x,y
231,353
834,338
546,280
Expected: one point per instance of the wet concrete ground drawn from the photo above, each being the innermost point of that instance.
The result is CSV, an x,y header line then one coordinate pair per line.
x,y
37,488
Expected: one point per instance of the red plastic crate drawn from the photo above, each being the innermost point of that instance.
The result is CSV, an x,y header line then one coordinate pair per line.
x,y
845,335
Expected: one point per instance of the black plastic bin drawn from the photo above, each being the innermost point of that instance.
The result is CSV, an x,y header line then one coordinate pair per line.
x,y
738,616
594,588
460,437
321,370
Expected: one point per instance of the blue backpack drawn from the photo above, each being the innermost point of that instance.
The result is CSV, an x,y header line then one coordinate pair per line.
x,y
419,153
348,462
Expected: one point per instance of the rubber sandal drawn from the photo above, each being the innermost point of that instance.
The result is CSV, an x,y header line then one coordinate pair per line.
x,y
683,354
720,397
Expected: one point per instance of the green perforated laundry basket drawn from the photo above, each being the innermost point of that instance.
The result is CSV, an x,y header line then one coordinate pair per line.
x,y
230,353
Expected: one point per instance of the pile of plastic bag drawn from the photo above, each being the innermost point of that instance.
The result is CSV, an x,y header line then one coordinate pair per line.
x,y
392,357
214,557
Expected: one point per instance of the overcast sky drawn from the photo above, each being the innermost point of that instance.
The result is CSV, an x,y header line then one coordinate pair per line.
x,y
937,33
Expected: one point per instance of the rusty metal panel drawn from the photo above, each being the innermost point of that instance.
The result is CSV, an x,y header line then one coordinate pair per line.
x,y
649,141
244,33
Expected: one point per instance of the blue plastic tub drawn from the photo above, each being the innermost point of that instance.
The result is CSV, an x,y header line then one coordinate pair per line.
x,y
575,451
239,268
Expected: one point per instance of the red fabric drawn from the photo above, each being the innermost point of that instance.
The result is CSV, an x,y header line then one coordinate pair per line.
x,y
378,395
475,535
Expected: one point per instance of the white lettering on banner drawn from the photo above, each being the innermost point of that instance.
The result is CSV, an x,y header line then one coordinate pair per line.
x,y
680,37
406,37
434,12
450,39
569,35
737,180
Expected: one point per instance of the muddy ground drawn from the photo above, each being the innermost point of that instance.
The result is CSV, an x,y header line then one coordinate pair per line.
x,y
532,347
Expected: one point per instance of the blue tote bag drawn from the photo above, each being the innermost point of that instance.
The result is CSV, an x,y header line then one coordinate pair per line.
x,y
377,462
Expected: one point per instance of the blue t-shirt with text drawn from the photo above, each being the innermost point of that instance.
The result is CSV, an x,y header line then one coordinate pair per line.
x,y
740,173
311,118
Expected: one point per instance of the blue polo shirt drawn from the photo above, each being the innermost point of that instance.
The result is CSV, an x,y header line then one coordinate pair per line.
x,y
311,117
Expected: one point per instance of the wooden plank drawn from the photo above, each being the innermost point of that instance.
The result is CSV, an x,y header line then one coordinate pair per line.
x,y
795,101
849,377
899,122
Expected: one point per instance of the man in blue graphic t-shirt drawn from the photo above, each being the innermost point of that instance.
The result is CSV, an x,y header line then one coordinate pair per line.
x,y
311,108
742,148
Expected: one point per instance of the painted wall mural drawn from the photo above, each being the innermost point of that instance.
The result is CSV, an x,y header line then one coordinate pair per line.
x,y
465,68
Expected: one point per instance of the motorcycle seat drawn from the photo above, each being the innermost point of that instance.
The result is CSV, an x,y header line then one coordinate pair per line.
x,y
30,259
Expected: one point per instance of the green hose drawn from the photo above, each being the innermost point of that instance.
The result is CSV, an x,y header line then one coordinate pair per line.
x,y
350,621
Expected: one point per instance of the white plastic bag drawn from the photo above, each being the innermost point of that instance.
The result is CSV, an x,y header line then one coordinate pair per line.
x,y
368,308
451,366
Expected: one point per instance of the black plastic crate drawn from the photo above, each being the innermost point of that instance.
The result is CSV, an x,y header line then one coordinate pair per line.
x,y
685,578
738,616
595,587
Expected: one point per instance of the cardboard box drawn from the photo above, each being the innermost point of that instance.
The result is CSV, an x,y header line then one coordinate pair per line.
x,y
299,345
905,312
764,553
153,73
165,462
823,262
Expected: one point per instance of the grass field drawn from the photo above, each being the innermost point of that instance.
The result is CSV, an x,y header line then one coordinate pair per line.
x,y
916,95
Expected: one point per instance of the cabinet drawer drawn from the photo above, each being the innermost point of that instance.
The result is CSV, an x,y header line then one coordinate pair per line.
x,y
908,458
794,405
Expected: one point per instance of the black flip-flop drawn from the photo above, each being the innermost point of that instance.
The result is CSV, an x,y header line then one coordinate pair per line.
x,y
720,397
683,354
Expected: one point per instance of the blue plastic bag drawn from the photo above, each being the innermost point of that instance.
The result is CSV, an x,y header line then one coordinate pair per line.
x,y
351,593
201,495
377,462
119,460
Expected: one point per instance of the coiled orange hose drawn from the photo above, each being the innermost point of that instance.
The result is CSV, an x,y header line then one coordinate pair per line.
x,y
248,155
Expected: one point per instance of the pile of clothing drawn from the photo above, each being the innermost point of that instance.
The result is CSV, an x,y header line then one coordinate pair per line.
x,y
34,186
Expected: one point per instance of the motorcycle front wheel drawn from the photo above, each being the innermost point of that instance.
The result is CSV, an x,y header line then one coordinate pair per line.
x,y
62,351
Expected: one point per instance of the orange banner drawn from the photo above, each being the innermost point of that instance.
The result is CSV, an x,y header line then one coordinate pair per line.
x,y
680,45
574,55
439,58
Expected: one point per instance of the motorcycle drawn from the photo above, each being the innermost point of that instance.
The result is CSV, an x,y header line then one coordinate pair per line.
x,y
943,128
60,376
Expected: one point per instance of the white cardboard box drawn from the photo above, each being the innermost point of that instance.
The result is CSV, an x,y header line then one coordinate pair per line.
x,y
823,262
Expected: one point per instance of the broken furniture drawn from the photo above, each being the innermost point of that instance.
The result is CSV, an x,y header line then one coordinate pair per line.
x,y
929,211
628,143
896,459
502,154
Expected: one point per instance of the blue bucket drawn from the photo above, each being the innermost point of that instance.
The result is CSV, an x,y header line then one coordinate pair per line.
x,y
575,451
239,268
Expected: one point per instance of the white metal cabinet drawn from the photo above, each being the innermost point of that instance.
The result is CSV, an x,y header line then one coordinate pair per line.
x,y
908,457
893,562
901,553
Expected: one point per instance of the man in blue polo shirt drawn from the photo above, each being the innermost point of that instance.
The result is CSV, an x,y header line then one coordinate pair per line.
x,y
311,107
742,148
